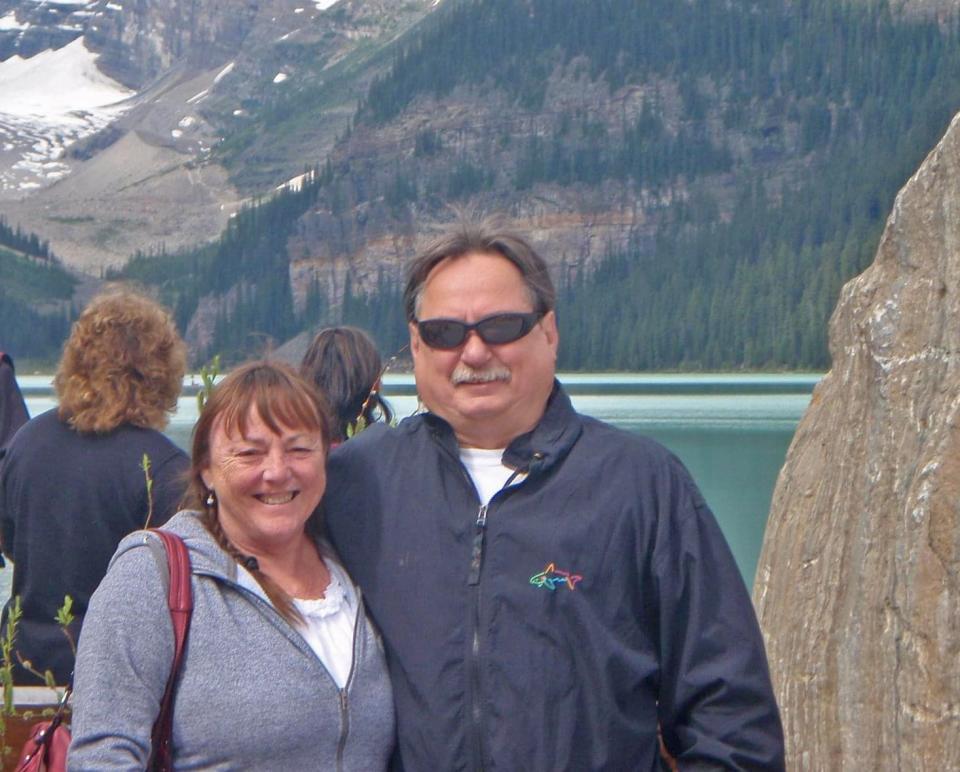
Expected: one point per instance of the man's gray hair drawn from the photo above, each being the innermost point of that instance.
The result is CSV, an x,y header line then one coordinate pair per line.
x,y
486,237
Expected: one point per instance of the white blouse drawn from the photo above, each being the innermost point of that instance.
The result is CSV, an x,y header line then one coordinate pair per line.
x,y
329,621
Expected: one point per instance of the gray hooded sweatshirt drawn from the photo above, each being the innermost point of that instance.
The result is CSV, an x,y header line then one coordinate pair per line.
x,y
251,695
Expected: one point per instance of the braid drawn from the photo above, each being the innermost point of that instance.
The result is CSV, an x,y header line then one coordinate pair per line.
x,y
281,601
386,414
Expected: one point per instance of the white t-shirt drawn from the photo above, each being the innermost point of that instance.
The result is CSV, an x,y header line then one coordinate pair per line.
x,y
487,471
328,621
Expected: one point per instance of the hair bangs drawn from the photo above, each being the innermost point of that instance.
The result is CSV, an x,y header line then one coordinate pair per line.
x,y
281,399
290,407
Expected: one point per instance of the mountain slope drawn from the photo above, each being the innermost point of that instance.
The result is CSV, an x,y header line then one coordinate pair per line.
x,y
702,175
35,296
195,75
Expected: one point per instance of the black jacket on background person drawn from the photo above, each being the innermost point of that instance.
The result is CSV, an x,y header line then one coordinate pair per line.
x,y
66,500
598,599
13,410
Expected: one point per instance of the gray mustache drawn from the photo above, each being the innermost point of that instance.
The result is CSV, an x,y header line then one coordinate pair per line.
x,y
464,374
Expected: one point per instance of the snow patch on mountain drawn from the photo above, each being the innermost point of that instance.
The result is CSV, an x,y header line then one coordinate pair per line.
x,y
9,22
48,102
223,73
57,85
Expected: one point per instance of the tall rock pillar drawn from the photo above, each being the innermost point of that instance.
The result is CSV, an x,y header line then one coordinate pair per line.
x,y
858,585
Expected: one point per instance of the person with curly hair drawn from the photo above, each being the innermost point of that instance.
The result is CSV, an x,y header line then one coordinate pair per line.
x,y
73,484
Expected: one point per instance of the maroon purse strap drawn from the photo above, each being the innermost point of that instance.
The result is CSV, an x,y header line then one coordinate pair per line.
x,y
180,600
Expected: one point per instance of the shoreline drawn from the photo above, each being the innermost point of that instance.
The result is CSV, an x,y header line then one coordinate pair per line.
x,y
575,382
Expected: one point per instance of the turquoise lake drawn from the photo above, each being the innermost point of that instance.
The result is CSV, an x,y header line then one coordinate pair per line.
x,y
731,431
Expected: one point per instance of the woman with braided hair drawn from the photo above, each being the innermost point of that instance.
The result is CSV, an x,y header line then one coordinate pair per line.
x,y
282,668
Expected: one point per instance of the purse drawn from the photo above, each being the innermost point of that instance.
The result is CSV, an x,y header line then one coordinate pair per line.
x,y
46,749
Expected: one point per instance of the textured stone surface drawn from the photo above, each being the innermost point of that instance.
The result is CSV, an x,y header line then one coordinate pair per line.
x,y
858,586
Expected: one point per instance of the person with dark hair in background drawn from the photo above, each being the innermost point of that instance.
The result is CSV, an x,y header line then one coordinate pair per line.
x,y
553,592
72,483
13,410
345,363
282,670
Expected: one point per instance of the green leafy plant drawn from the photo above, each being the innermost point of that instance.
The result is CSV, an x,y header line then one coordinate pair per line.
x,y
145,466
208,378
356,427
6,661
65,618
9,654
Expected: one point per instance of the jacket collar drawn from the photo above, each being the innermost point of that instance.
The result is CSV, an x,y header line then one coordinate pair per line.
x,y
533,452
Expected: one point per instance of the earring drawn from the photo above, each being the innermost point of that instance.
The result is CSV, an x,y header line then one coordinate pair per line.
x,y
211,499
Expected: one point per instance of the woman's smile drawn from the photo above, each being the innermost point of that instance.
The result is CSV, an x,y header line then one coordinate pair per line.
x,y
283,472
277,498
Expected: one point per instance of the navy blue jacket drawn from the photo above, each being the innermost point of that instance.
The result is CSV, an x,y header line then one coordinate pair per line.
x,y
558,627
66,500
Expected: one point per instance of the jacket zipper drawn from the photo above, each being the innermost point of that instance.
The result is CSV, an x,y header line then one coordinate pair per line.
x,y
342,694
476,558
473,581
344,728
344,700
476,709
480,529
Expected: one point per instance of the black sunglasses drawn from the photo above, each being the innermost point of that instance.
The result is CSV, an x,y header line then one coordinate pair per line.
x,y
493,330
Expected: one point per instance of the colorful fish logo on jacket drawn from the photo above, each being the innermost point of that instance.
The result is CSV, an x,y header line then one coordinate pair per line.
x,y
551,576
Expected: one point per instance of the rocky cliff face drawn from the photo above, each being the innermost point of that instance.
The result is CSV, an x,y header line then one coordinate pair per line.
x,y
147,180
26,29
140,40
858,586
137,40
940,9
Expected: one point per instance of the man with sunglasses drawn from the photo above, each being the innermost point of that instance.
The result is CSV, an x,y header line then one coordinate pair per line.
x,y
553,592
